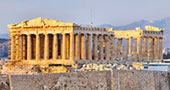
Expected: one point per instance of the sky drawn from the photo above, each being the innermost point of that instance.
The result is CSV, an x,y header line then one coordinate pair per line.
x,y
114,12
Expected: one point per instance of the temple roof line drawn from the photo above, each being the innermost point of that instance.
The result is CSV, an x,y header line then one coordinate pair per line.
x,y
39,22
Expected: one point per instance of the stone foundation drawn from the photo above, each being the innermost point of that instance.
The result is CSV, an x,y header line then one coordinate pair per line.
x,y
97,80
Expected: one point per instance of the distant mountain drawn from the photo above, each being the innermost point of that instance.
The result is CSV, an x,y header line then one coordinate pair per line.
x,y
5,36
163,23
107,26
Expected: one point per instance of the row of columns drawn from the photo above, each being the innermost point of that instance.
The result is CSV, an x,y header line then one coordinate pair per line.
x,y
84,47
145,48
94,47
17,48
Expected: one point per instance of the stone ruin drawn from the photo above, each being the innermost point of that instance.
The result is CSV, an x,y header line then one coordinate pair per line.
x,y
49,46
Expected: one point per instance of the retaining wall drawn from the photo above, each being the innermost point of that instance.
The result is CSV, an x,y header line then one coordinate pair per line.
x,y
95,80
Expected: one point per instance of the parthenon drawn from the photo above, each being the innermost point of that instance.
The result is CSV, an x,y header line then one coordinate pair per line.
x,y
46,41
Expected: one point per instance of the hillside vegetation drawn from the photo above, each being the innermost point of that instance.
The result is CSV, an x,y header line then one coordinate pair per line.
x,y
4,48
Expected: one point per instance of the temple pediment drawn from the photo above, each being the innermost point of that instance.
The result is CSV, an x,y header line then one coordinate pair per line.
x,y
39,22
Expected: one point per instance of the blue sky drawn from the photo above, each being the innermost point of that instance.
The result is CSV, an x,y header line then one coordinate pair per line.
x,y
115,12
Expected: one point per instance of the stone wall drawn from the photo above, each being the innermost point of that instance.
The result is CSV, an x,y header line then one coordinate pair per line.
x,y
96,80
140,80
62,81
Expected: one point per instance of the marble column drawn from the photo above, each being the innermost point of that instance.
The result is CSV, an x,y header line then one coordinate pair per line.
x,y
67,46
37,47
150,49
13,47
112,49
100,47
18,47
144,49
95,47
63,46
118,51
29,47
21,47
127,46
155,48
130,46
71,46
24,47
107,50
77,47
55,46
139,48
160,49
89,47
46,49
135,49
83,46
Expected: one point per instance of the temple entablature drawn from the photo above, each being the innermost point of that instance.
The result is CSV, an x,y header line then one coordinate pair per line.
x,y
127,33
152,33
151,28
91,30
149,31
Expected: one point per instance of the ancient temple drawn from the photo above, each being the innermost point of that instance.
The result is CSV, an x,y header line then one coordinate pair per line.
x,y
46,41
141,44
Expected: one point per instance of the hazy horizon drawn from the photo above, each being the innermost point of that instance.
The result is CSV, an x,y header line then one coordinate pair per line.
x,y
114,12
